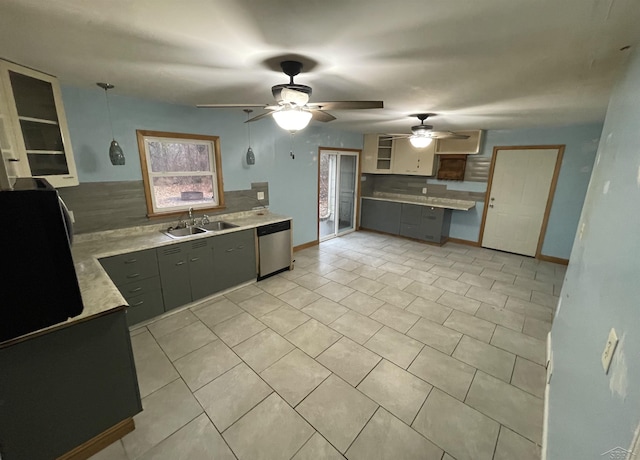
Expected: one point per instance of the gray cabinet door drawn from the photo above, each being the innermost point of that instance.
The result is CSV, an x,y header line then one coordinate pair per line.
x,y
431,224
62,388
383,216
144,306
201,273
234,259
174,274
411,214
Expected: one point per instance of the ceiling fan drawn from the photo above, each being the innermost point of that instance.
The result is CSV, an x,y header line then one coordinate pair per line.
x,y
293,110
422,135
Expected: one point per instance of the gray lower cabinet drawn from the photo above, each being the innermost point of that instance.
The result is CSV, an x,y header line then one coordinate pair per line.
x,y
174,275
62,388
137,278
201,268
383,216
424,223
234,256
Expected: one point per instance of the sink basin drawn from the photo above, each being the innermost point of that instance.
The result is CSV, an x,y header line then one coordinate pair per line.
x,y
217,225
182,232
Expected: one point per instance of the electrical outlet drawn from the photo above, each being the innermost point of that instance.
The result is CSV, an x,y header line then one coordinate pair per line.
x,y
609,349
424,190
261,195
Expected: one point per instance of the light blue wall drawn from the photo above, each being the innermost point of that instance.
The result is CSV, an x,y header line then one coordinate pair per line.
x,y
292,183
590,412
581,142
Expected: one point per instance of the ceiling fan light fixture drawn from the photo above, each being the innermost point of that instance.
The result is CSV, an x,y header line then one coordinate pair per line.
x,y
420,141
292,118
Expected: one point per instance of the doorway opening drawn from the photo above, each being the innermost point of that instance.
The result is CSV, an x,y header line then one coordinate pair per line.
x,y
338,172
522,182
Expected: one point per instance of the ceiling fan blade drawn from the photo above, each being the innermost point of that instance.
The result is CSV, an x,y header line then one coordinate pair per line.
x,y
447,135
258,117
347,105
227,106
321,115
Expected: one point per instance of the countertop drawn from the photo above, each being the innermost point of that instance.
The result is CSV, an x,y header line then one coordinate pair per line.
x,y
99,294
436,202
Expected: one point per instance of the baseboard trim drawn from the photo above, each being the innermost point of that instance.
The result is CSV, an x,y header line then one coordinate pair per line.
x,y
310,244
555,260
467,242
99,442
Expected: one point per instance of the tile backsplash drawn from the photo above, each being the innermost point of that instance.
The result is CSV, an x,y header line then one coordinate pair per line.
x,y
99,206
412,185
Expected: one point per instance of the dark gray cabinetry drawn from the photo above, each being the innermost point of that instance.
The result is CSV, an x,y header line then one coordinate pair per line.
x,y
234,256
63,388
383,216
174,275
425,222
201,268
136,276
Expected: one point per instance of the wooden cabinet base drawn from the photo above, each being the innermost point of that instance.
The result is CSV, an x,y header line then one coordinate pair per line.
x,y
104,439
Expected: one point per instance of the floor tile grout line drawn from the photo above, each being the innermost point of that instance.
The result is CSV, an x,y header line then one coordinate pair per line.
x,y
363,426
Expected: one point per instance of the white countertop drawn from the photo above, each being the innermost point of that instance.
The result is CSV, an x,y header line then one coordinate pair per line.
x,y
435,202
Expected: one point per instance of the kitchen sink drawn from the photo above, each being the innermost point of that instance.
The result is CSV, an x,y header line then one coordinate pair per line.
x,y
182,232
217,225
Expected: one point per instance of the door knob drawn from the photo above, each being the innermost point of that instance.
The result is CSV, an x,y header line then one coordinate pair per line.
x,y
491,206
492,198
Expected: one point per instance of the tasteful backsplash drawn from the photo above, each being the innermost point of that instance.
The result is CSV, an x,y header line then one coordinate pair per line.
x,y
99,206
412,185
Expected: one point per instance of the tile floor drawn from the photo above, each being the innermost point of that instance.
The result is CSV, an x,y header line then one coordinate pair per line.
x,y
374,347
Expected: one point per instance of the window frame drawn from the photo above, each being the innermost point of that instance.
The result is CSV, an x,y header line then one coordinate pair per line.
x,y
147,175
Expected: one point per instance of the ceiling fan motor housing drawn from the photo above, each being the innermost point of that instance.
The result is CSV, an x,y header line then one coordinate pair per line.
x,y
277,90
421,129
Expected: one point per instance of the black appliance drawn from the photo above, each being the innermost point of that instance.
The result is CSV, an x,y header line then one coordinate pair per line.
x,y
39,282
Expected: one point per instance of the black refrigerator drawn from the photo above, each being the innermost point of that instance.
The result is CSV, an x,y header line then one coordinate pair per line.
x,y
39,282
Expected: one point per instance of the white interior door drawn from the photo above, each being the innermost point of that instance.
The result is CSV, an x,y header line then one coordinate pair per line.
x,y
518,199
338,185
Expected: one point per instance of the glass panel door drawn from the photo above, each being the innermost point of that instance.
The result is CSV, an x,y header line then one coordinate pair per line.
x,y
347,193
337,193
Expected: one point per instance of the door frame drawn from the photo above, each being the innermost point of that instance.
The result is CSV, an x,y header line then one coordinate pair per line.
x,y
552,188
358,153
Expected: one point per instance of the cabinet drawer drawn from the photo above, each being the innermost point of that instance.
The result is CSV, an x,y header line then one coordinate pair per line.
x,y
139,287
144,307
133,266
411,231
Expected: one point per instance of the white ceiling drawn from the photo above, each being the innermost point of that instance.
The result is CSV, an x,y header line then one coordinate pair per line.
x,y
486,64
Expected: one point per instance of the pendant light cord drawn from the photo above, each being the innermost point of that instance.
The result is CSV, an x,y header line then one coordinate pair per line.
x,y
249,127
106,96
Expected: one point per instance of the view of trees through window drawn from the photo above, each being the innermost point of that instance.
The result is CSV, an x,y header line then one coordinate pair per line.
x,y
181,173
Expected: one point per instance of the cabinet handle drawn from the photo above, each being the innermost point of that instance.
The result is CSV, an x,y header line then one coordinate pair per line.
x,y
137,304
180,263
241,247
195,258
133,275
15,160
136,289
230,249
131,261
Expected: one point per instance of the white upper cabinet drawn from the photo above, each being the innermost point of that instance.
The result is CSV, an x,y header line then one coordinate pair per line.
x,y
34,137
412,161
468,146
377,154
384,155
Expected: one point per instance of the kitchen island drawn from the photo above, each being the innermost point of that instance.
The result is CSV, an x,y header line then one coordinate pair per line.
x,y
69,390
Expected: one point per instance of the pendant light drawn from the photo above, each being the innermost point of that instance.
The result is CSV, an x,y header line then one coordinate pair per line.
x,y
116,155
251,158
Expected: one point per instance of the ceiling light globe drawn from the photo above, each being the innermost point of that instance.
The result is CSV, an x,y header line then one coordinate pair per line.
x,y
292,119
420,142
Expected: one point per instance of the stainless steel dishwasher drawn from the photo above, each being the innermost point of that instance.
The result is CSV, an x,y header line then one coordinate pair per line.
x,y
274,248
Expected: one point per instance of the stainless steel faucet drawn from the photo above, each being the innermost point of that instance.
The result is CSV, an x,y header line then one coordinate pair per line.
x,y
192,220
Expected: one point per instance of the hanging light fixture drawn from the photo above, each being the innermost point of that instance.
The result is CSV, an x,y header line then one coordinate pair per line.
x,y
292,118
116,155
251,158
420,140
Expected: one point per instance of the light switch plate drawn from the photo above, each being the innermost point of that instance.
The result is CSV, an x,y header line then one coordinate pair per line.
x,y
424,190
261,195
609,349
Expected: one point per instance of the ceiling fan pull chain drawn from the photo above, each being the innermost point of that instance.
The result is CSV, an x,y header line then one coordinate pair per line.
x,y
293,157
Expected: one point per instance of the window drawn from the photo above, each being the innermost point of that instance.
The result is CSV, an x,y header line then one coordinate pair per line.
x,y
180,171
